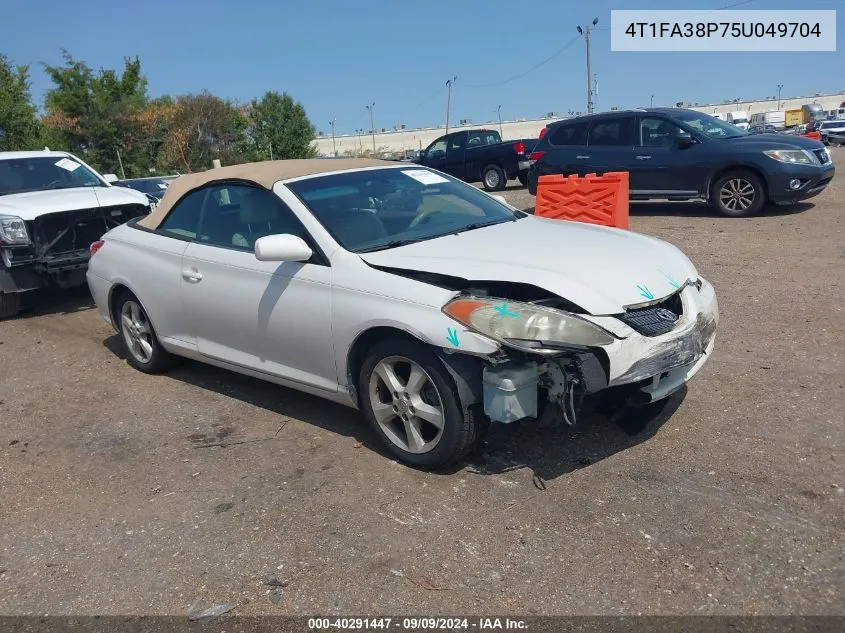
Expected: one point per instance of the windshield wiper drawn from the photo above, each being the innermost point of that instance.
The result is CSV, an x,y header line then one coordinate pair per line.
x,y
393,244
481,225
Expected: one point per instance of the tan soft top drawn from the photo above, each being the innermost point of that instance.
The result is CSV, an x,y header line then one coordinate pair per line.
x,y
266,174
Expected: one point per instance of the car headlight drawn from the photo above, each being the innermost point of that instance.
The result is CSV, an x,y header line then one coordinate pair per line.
x,y
13,230
525,325
796,156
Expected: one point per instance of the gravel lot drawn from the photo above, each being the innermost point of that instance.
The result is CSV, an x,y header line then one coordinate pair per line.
x,y
119,499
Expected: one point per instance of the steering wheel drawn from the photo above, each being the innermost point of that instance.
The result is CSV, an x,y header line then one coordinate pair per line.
x,y
52,182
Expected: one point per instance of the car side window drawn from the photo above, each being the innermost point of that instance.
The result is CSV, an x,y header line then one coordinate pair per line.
x,y
438,148
184,218
614,132
456,143
657,132
476,139
235,216
570,134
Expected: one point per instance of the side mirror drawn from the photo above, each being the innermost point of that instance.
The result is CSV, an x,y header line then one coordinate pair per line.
x,y
110,178
282,248
685,139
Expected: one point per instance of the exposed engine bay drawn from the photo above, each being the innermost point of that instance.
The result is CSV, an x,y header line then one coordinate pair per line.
x,y
58,246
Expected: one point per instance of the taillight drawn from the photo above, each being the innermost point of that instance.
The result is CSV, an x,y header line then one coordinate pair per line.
x,y
95,247
543,132
519,148
536,156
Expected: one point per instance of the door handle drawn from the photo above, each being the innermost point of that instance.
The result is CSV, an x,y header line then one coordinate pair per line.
x,y
581,157
642,157
192,275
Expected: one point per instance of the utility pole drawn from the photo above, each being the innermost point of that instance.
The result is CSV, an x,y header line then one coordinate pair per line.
x,y
586,34
334,147
449,83
779,88
120,162
499,110
651,104
371,107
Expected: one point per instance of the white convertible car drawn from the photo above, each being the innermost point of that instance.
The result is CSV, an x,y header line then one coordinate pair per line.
x,y
430,305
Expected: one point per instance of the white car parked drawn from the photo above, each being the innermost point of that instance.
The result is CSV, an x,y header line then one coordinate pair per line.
x,y
430,305
52,206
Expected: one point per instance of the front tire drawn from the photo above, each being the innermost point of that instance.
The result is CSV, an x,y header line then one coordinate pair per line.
x,y
143,351
493,178
412,403
10,304
738,194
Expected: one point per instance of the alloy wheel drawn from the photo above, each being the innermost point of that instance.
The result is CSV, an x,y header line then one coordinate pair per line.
x,y
136,331
737,194
492,178
406,404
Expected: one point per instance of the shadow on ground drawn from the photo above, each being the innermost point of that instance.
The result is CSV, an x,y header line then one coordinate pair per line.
x,y
548,451
55,301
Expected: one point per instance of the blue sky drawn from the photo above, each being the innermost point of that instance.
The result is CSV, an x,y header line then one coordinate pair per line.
x,y
336,56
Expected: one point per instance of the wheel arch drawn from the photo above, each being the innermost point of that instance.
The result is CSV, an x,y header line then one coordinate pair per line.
x,y
737,167
115,292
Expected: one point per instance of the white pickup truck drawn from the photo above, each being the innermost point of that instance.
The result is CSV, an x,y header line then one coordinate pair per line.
x,y
52,207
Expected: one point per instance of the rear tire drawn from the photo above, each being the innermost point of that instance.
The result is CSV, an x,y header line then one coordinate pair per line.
x,y
738,194
493,178
523,179
422,387
10,304
143,351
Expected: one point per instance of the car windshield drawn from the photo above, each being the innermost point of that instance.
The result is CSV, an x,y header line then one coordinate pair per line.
x,y
21,175
384,208
152,187
708,125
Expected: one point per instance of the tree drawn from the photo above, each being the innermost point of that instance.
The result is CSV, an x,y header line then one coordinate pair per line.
x,y
279,126
19,126
204,127
96,114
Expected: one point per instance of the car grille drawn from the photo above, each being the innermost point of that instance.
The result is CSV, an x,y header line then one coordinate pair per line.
x,y
822,155
656,319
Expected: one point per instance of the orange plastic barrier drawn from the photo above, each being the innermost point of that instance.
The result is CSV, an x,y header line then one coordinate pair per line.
x,y
816,136
592,199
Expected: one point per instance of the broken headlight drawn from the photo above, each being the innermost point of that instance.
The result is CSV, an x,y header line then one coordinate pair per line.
x,y
525,325
13,230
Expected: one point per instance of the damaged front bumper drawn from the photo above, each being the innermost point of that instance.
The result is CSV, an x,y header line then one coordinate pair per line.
x,y
645,368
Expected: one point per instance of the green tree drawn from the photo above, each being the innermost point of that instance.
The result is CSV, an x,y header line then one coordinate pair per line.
x,y
204,127
279,125
97,114
19,125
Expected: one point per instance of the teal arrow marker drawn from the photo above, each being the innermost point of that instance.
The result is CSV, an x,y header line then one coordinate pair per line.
x,y
503,310
452,336
671,280
645,292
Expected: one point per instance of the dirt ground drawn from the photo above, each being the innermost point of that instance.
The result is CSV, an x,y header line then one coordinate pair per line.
x,y
118,498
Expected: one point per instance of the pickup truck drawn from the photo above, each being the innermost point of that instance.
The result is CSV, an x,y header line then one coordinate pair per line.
x,y
480,155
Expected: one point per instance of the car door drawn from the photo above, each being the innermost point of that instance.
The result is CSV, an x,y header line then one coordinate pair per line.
x,y
479,153
455,155
272,317
610,145
435,154
566,152
662,165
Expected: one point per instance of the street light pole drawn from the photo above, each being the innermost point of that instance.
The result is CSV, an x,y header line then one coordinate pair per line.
x,y
334,147
586,34
651,105
779,87
371,107
499,110
449,83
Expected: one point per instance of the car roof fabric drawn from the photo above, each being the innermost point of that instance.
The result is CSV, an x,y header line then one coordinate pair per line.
x,y
265,174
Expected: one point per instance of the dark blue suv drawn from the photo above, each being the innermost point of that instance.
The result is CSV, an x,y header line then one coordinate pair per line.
x,y
679,154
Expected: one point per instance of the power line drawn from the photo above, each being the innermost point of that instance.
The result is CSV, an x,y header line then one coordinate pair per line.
x,y
729,6
530,70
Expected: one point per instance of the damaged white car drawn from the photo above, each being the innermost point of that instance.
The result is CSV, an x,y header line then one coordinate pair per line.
x,y
430,305
52,206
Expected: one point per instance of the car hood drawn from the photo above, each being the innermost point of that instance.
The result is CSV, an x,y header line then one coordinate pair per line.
x,y
600,269
774,141
34,204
